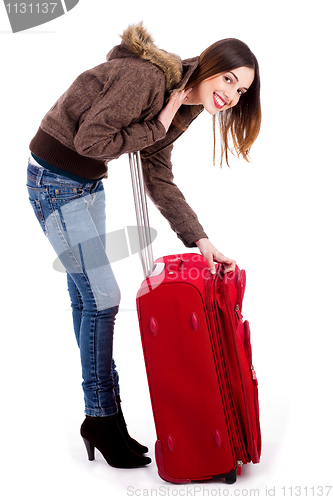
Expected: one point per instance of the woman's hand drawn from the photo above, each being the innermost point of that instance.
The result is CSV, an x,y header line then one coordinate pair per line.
x,y
211,254
168,112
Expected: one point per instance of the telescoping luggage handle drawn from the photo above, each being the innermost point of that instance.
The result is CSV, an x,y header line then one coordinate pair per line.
x,y
140,202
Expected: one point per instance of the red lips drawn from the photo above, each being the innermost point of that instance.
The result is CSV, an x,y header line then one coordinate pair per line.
x,y
218,101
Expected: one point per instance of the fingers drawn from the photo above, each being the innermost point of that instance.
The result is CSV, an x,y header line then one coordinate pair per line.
x,y
178,98
210,261
229,266
211,254
168,112
186,94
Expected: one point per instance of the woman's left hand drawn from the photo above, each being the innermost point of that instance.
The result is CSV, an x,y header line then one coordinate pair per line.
x,y
211,254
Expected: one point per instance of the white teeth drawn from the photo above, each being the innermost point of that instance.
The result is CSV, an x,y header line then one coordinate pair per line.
x,y
219,100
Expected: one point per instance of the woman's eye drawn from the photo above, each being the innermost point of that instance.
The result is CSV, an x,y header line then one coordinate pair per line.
x,y
241,92
227,79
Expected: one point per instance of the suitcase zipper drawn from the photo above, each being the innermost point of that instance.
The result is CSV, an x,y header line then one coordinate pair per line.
x,y
248,352
231,398
230,313
240,286
210,288
253,373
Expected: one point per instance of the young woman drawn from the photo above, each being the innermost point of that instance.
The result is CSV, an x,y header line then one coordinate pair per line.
x,y
141,99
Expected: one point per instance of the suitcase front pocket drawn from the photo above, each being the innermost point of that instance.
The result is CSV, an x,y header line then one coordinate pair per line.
x,y
252,395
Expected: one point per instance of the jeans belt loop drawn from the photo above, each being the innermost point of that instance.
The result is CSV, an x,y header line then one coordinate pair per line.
x,y
93,186
39,176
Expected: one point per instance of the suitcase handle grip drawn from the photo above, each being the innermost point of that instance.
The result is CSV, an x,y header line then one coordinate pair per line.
x,y
173,265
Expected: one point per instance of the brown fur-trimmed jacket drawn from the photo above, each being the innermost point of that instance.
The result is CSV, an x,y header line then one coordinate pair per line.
x,y
112,109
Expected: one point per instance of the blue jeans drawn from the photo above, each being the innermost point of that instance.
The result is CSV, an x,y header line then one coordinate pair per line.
x,y
72,216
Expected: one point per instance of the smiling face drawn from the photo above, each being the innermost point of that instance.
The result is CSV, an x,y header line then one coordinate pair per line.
x,y
223,91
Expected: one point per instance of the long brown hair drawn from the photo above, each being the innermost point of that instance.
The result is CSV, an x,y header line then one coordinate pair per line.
x,y
241,122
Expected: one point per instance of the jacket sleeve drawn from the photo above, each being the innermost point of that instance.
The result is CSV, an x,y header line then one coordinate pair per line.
x,y
122,118
158,177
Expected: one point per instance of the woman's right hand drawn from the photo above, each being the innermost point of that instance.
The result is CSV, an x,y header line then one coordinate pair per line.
x,y
168,112
212,254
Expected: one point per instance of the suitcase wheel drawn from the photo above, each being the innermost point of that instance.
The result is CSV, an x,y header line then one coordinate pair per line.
x,y
232,477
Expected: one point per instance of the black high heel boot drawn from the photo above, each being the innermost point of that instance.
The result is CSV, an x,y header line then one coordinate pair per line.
x,y
104,434
132,443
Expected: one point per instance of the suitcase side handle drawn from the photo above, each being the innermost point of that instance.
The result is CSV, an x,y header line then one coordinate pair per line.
x,y
140,202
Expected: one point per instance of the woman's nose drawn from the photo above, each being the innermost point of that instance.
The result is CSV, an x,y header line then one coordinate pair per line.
x,y
232,96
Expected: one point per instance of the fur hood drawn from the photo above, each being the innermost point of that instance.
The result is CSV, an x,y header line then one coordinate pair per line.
x,y
136,40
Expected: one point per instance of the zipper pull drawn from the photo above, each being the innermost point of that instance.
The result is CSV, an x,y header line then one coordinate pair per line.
x,y
254,375
239,467
237,312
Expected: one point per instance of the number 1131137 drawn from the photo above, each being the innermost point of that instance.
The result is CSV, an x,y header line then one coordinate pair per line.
x,y
31,8
306,491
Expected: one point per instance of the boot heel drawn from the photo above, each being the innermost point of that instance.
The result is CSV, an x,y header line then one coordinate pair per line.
x,y
90,449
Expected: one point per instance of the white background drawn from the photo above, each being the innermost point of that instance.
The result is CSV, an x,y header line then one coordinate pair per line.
x,y
273,216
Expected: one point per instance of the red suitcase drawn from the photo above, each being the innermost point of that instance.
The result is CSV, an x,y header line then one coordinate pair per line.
x,y
198,358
